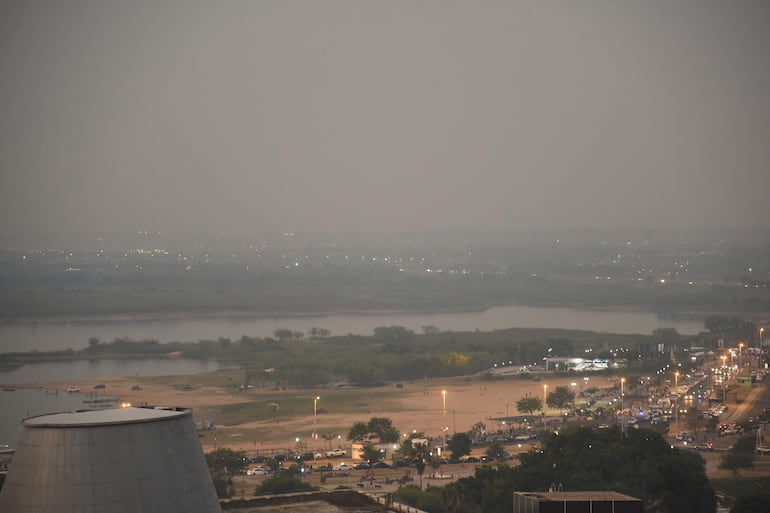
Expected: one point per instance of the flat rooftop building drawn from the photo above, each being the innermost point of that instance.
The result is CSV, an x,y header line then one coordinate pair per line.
x,y
575,502
118,460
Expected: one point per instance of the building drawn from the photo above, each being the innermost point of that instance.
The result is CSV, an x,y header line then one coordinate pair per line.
x,y
575,502
117,460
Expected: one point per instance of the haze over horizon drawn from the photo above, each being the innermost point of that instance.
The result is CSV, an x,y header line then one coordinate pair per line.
x,y
379,117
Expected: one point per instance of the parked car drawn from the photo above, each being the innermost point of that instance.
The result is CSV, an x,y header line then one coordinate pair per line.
x,y
342,467
323,468
258,471
704,447
362,466
380,464
335,453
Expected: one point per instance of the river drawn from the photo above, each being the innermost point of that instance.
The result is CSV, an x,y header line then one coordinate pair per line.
x,y
49,336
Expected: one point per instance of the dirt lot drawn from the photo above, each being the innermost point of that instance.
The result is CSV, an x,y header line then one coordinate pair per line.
x,y
240,420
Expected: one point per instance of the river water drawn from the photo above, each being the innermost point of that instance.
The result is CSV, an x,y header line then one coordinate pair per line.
x,y
48,336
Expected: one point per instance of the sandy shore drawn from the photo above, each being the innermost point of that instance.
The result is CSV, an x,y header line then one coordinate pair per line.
x,y
418,406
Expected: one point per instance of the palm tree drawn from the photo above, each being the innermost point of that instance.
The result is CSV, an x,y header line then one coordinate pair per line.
x,y
329,437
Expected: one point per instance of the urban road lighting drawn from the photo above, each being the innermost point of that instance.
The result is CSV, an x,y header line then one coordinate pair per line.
x,y
622,409
443,416
761,331
676,389
740,356
315,417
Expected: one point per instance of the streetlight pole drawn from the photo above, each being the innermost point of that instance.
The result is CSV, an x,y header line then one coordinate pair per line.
x,y
740,356
622,408
676,388
443,417
545,392
315,417
761,331
724,379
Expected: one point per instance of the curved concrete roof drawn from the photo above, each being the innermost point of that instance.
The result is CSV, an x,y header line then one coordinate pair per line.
x,y
125,460
105,417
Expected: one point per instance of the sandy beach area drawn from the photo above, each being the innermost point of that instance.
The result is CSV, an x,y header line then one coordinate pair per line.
x,y
420,406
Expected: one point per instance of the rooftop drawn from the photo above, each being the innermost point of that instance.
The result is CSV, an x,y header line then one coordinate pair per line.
x,y
106,417
578,496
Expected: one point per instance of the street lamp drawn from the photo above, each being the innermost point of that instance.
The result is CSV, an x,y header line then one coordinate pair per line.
x,y
676,389
315,417
443,416
622,409
761,331
740,356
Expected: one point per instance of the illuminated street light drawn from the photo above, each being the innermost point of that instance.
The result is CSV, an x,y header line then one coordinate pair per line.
x,y
443,416
761,331
740,356
676,388
622,397
315,417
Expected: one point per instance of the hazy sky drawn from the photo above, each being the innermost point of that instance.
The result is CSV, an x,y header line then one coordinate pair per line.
x,y
327,115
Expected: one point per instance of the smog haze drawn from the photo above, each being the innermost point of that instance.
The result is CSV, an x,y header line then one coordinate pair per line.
x,y
378,117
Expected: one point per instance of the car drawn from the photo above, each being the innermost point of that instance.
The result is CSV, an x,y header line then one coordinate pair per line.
x,y
471,459
380,464
136,388
335,453
362,465
342,467
704,447
486,459
100,386
258,471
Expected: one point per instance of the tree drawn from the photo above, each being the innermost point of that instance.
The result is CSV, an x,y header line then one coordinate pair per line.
x,y
283,334
379,428
370,453
430,330
643,465
740,456
283,483
393,333
420,457
496,450
329,437
560,398
459,445
223,464
755,502
319,332
478,430
529,404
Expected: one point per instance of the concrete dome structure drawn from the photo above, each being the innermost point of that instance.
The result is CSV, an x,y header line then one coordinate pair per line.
x,y
137,460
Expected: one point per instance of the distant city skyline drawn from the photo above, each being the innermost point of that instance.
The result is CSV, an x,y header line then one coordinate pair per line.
x,y
381,117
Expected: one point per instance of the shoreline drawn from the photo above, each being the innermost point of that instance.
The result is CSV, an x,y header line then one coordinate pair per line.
x,y
243,314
